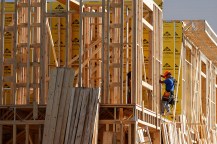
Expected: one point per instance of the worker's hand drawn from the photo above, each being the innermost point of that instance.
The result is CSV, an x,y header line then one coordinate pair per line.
x,y
160,81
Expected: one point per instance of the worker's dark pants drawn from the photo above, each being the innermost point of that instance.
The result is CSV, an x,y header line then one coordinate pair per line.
x,y
165,103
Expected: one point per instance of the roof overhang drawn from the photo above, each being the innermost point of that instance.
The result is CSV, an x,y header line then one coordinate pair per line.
x,y
203,37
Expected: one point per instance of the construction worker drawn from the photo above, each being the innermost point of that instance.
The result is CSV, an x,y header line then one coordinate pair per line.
x,y
168,95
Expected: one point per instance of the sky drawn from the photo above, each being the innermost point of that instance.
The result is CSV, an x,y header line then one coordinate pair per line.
x,y
191,10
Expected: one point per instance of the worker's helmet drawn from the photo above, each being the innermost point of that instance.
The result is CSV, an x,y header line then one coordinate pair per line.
x,y
166,73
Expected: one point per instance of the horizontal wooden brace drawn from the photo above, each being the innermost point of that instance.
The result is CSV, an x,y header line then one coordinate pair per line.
x,y
92,14
21,122
147,24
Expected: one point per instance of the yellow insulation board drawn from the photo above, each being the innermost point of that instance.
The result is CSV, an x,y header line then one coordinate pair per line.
x,y
172,42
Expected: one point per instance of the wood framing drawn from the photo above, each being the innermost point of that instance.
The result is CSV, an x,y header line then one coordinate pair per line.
x,y
113,45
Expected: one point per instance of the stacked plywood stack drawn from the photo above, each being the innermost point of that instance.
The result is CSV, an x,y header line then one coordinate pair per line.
x,y
72,113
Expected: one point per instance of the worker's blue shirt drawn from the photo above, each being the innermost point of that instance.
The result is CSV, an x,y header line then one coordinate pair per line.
x,y
169,84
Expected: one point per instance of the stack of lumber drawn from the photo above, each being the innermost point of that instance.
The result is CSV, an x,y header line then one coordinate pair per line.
x,y
71,113
82,123
201,135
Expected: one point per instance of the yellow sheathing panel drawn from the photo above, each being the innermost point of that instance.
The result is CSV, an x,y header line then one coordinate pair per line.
x,y
172,42
9,7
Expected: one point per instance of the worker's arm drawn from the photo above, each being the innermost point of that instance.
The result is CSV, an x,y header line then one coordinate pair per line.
x,y
160,81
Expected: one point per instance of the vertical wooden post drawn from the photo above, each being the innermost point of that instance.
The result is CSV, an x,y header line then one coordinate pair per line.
x,y
127,55
81,44
1,133
130,134
134,84
40,134
28,54
121,50
27,134
107,93
15,39
2,50
59,40
67,38
103,52
43,51
14,134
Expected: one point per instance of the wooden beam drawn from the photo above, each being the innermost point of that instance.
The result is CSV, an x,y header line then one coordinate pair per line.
x,y
52,43
1,133
43,51
2,49
147,85
27,134
14,133
148,4
147,24
21,122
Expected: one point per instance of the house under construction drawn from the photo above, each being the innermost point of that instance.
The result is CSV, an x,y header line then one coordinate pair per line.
x,y
64,69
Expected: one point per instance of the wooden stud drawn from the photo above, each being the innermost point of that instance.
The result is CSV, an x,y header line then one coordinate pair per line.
x,y
81,44
2,49
1,133
14,134
27,134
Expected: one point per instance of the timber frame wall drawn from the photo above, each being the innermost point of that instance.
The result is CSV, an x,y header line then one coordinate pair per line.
x,y
110,46
199,73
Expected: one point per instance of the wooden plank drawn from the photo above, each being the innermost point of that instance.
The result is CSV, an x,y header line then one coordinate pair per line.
x,y
72,96
30,140
43,52
75,114
67,106
51,92
14,53
62,104
56,102
103,49
81,44
27,134
147,24
28,55
107,137
96,93
52,43
35,110
95,131
67,35
21,122
147,85
89,118
2,49
1,133
14,134
82,116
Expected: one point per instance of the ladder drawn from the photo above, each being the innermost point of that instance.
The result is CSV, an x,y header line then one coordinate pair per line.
x,y
144,136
